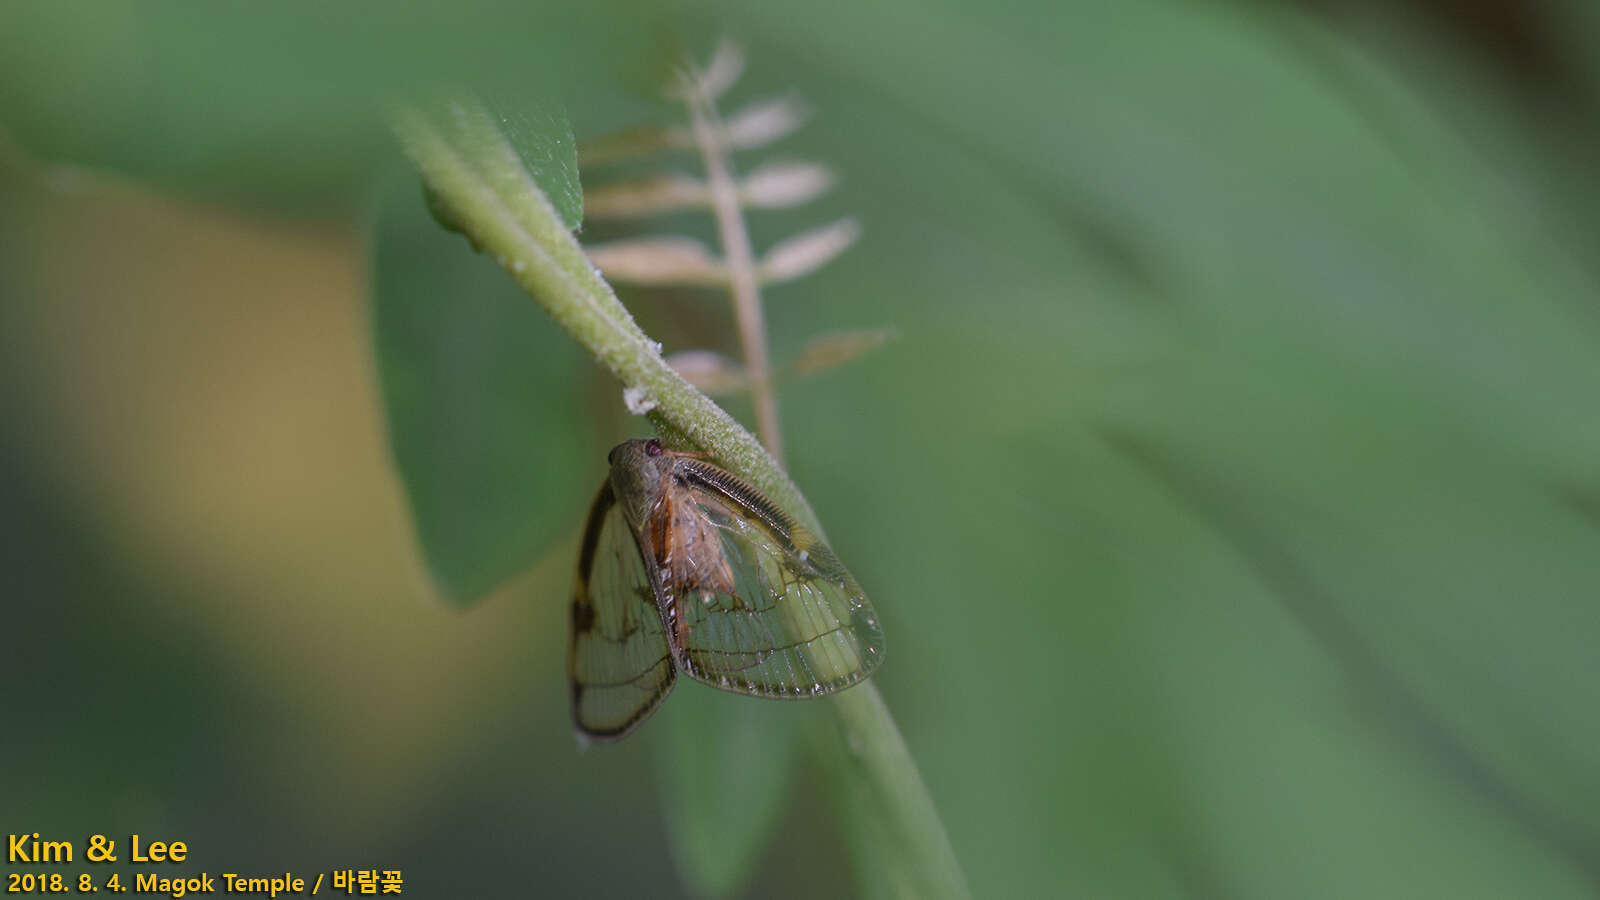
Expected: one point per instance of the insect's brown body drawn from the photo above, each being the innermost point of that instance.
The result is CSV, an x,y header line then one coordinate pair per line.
x,y
688,552
685,566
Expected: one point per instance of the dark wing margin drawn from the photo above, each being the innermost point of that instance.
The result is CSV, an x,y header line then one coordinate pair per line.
x,y
618,662
795,625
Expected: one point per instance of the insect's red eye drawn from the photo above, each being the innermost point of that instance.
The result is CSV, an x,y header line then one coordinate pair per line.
x,y
652,447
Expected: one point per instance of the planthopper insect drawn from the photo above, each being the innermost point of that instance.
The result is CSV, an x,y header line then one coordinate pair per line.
x,y
686,567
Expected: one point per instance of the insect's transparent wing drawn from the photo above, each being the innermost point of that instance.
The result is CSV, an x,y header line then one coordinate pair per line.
x,y
796,623
618,660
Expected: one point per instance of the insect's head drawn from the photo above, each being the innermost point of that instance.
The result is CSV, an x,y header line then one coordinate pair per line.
x,y
640,472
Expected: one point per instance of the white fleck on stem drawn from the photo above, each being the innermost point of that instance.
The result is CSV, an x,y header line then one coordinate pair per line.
x,y
742,279
638,400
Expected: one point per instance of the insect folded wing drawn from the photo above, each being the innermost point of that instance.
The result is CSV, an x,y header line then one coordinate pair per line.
x,y
685,566
618,662
795,624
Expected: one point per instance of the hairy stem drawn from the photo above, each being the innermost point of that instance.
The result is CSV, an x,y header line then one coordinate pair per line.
x,y
466,160
746,290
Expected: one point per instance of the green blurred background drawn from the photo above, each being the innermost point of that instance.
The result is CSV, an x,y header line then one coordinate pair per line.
x,y
1230,496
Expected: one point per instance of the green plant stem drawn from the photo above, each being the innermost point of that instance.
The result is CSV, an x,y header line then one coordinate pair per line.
x,y
465,159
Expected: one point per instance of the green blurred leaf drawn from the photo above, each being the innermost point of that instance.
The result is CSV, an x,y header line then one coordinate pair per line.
x,y
483,400
725,767
275,105
1362,353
